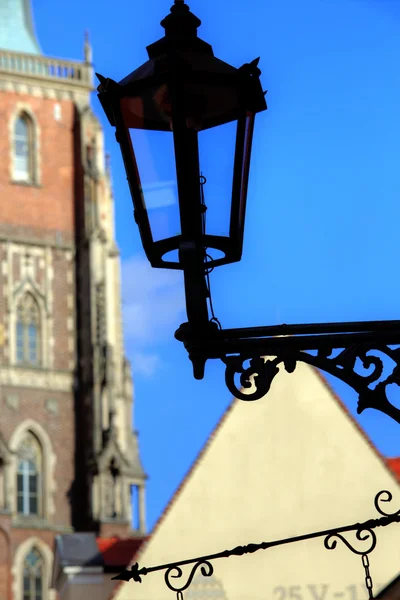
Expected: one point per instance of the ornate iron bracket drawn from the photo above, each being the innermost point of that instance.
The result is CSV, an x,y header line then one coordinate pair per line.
x,y
357,353
364,534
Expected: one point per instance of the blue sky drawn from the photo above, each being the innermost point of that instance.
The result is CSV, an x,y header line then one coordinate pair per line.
x,y
321,240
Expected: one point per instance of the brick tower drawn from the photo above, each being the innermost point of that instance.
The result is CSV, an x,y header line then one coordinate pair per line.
x,y
68,457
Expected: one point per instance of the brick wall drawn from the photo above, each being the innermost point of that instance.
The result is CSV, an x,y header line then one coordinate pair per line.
x,y
5,564
50,205
54,411
42,213
3,284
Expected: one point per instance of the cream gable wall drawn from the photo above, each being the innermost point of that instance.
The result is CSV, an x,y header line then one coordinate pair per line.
x,y
291,463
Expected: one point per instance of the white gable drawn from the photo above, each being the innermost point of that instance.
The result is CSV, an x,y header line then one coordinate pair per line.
x,y
291,463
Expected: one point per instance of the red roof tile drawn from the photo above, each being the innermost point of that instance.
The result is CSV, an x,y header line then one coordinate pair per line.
x,y
117,552
394,466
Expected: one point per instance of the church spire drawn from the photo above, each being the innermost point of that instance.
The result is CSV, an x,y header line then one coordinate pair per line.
x,y
17,32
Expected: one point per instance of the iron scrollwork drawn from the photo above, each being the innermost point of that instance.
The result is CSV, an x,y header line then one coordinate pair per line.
x,y
259,375
384,496
357,353
364,533
206,569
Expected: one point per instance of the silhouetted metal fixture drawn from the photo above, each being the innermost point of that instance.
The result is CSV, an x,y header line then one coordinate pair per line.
x,y
184,89
364,533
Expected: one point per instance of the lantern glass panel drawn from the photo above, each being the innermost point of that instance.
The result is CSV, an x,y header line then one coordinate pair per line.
x,y
217,155
155,157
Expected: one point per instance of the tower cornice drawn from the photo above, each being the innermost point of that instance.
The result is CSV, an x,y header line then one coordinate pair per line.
x,y
19,69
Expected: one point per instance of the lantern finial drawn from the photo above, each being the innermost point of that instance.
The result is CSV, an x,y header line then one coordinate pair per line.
x,y
180,22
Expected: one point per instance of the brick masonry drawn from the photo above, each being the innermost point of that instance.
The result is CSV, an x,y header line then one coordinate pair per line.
x,y
39,218
49,205
32,405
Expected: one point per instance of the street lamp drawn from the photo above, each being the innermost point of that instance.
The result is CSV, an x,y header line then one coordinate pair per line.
x,y
180,93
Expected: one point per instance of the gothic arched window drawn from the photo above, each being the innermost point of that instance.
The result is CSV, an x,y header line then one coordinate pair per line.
x,y
29,476
23,149
33,576
28,331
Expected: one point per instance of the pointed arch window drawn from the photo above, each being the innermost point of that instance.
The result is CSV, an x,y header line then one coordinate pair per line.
x,y
29,476
23,149
33,576
28,331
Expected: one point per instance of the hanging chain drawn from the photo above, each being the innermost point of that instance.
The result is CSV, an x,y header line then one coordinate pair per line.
x,y
214,319
368,578
203,181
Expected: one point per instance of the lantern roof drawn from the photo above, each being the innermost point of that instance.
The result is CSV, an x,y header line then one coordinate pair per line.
x,y
181,50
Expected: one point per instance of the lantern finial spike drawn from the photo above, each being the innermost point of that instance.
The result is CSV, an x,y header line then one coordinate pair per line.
x,y
101,78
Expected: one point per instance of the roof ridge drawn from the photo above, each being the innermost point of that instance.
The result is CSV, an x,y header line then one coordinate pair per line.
x,y
364,434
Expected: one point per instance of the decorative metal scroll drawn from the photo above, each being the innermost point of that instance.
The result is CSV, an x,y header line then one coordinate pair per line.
x,y
261,372
364,544
357,353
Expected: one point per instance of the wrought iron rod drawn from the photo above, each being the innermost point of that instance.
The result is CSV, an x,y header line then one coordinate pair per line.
x,y
220,346
364,533
309,328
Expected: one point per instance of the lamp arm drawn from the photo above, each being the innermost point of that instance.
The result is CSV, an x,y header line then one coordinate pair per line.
x,y
364,355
